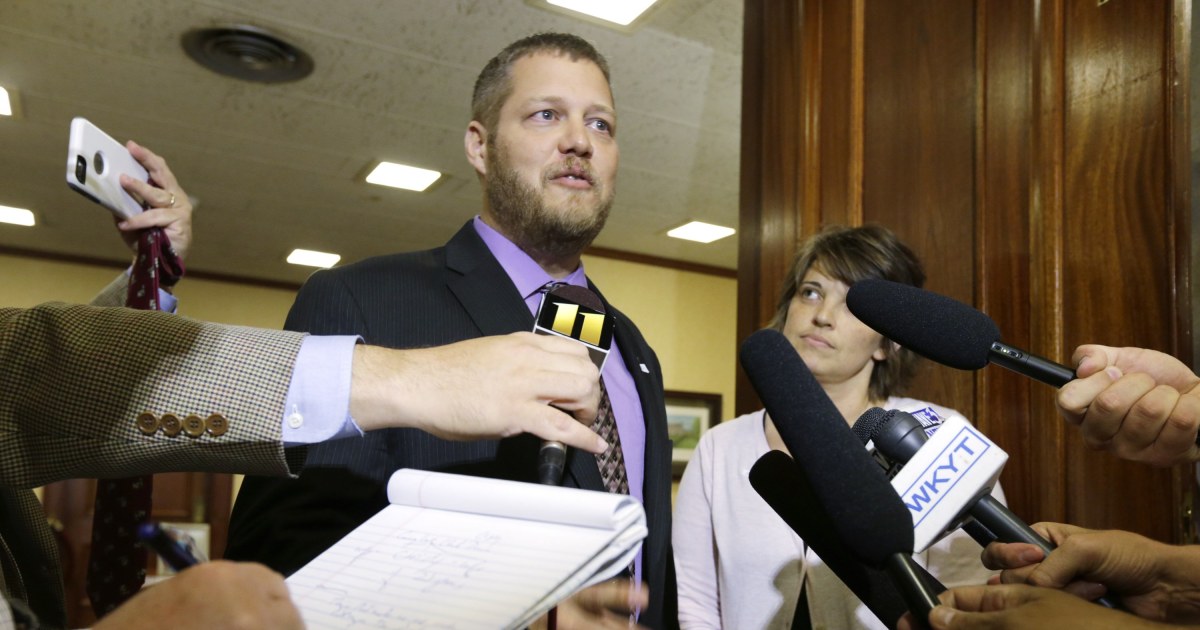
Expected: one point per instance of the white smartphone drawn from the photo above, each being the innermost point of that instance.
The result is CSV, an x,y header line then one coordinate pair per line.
x,y
95,163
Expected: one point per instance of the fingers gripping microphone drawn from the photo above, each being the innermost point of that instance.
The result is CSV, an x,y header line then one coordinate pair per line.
x,y
575,313
944,330
865,511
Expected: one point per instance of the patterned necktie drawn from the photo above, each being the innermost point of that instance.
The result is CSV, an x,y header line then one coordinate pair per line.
x,y
612,464
117,564
612,461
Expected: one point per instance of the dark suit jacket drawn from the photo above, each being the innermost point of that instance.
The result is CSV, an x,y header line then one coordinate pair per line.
x,y
429,298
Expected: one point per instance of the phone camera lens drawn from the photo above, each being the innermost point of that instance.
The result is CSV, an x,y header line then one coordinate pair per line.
x,y
81,169
98,163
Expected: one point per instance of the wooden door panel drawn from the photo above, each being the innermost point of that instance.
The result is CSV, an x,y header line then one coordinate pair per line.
x,y
1033,152
1117,238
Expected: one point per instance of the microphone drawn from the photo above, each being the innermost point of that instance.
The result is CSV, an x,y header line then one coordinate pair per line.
x,y
870,424
943,484
781,483
944,330
946,478
574,313
864,509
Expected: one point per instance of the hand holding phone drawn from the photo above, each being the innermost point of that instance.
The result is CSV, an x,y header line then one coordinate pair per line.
x,y
95,163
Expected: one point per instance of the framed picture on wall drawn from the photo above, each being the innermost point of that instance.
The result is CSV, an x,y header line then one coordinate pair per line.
x,y
689,414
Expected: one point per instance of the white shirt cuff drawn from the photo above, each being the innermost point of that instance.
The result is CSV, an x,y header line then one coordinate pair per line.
x,y
318,400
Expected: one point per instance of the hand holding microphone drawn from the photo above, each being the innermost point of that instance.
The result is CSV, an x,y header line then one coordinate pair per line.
x,y
577,314
1141,405
1132,419
1154,580
1157,582
1019,607
485,388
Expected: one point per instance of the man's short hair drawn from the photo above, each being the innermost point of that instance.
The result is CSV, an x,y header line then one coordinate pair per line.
x,y
494,84
849,255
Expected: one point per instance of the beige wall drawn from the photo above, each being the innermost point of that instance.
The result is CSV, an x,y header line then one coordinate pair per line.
x,y
687,317
29,281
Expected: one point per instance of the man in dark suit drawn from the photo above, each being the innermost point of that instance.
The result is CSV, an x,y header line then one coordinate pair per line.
x,y
543,143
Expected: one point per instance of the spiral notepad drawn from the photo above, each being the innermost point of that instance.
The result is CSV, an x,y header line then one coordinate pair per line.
x,y
453,551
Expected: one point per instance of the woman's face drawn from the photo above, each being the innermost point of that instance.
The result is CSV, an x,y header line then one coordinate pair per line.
x,y
833,343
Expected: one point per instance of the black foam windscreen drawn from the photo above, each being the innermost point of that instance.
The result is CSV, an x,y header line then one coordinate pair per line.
x,y
934,326
862,505
868,424
781,483
580,295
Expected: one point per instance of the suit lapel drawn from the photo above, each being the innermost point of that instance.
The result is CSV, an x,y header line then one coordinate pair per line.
x,y
653,413
656,485
479,283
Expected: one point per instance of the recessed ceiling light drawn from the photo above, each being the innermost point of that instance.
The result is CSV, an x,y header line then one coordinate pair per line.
x,y
700,232
6,108
617,12
15,216
402,176
309,258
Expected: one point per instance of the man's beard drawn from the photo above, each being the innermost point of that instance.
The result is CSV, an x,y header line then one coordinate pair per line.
x,y
540,231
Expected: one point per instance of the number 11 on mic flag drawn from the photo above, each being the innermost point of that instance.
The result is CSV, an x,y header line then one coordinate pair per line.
x,y
563,316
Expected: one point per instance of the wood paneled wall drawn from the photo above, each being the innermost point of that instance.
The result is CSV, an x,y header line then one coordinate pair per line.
x,y
1033,152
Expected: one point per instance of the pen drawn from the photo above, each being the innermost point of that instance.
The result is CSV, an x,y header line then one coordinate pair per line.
x,y
176,555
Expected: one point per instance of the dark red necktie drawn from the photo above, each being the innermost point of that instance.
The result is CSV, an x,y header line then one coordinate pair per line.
x,y
117,566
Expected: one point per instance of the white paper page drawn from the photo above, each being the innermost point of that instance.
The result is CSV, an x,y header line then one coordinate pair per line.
x,y
497,497
410,567
603,566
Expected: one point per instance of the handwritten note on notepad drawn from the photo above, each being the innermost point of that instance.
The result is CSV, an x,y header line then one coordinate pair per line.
x,y
463,552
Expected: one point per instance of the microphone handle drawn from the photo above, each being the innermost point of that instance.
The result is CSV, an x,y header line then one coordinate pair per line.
x,y
1009,527
1030,365
918,595
1006,526
979,533
1034,367
552,458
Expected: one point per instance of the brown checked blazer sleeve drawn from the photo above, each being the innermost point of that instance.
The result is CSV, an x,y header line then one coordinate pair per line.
x,y
85,391
110,392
